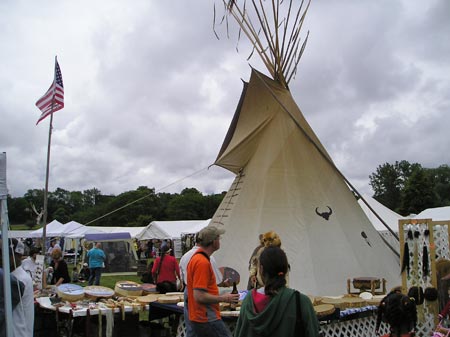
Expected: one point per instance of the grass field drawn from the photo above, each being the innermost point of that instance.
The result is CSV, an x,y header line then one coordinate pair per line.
x,y
110,281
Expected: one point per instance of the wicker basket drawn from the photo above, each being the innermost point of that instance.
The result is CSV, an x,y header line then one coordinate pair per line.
x,y
354,302
148,298
96,292
324,309
128,288
169,299
336,302
70,292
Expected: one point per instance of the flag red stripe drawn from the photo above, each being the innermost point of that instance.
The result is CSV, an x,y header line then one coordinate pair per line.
x,y
53,99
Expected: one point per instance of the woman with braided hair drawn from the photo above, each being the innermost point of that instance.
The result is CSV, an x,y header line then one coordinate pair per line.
x,y
400,312
276,310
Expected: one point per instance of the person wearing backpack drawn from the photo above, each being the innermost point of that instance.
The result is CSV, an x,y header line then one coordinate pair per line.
x,y
276,310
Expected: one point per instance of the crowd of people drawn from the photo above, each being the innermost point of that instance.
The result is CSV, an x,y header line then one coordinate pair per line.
x,y
269,308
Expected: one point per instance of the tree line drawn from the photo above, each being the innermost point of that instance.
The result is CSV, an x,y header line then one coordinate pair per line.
x,y
408,188
131,208
402,187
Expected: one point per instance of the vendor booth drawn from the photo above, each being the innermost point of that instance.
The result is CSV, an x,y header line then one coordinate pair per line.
x,y
172,230
119,250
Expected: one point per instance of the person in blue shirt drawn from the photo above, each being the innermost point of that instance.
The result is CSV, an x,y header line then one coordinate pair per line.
x,y
97,260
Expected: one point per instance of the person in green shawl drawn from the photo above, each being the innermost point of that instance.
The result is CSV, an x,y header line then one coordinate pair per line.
x,y
276,310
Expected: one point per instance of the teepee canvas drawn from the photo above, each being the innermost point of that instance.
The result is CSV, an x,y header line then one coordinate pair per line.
x,y
286,182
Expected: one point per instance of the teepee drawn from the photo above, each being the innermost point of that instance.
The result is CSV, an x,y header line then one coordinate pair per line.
x,y
285,180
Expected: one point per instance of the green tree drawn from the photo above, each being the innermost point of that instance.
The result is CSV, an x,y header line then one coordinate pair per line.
x,y
19,210
188,204
61,215
389,181
440,178
90,197
131,208
418,194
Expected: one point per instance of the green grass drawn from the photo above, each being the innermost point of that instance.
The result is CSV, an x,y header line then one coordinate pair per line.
x,y
110,281
23,227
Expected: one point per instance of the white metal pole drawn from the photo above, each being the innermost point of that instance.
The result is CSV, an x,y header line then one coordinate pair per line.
x,y
5,246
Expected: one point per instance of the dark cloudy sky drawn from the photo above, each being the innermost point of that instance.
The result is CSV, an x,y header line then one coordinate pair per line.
x,y
150,91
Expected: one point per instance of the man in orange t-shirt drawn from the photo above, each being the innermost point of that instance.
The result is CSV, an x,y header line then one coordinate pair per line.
x,y
203,293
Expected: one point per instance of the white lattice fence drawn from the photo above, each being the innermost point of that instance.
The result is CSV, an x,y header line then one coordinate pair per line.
x,y
360,327
181,330
440,237
425,242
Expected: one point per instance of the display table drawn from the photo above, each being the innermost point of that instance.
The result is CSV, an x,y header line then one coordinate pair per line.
x,y
70,257
80,321
356,322
161,310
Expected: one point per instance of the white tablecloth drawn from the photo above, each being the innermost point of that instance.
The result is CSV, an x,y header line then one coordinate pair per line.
x,y
44,302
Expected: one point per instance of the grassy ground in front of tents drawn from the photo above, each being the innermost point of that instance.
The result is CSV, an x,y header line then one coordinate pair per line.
x,y
23,228
111,280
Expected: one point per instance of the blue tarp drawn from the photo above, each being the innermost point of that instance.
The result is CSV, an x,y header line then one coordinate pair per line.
x,y
108,236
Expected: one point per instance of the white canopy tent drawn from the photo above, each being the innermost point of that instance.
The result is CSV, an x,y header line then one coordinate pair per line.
x,y
20,234
172,230
54,228
436,214
134,231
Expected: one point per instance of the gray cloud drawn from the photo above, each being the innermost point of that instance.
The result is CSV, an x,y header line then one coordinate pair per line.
x,y
150,90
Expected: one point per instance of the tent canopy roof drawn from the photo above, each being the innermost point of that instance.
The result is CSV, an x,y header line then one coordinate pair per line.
x,y
101,237
171,229
436,214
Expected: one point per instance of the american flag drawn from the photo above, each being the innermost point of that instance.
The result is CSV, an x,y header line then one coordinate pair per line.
x,y
53,99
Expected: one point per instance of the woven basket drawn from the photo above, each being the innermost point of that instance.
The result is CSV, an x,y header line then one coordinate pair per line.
x,y
148,298
354,302
169,299
324,309
128,288
96,292
70,292
336,302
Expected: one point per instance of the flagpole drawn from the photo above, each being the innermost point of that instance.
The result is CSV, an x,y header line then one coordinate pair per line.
x,y
47,172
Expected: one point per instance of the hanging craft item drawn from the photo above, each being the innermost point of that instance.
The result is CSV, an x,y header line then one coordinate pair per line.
x,y
425,264
416,260
431,295
405,261
410,234
416,293
425,255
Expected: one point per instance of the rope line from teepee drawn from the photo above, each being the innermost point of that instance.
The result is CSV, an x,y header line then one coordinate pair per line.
x,y
146,196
